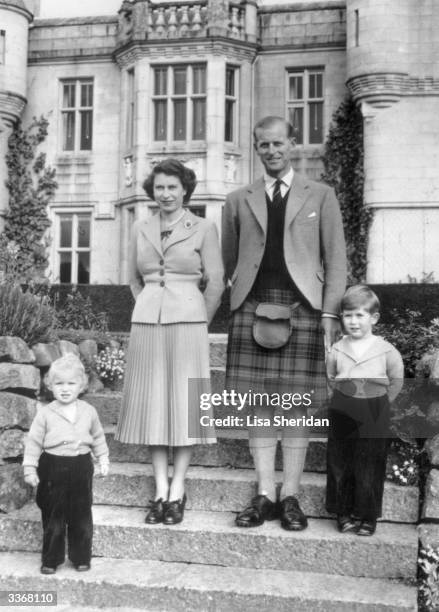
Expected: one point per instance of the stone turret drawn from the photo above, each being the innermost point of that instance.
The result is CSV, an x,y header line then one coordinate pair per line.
x,y
14,25
393,73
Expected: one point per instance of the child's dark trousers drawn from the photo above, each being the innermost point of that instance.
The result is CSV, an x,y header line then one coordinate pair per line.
x,y
356,456
64,496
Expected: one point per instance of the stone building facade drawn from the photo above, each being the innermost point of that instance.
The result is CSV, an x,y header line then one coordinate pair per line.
x,y
126,85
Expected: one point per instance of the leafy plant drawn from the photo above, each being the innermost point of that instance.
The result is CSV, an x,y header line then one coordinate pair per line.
x,y
25,315
343,163
110,364
77,312
428,562
31,186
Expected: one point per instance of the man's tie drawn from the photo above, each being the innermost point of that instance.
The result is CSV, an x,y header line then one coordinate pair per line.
x,y
277,196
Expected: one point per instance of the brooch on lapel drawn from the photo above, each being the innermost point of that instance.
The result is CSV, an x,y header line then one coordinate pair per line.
x,y
187,224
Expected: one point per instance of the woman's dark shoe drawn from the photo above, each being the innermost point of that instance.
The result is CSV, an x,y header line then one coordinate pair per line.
x,y
174,511
261,509
291,515
367,528
346,523
44,569
156,512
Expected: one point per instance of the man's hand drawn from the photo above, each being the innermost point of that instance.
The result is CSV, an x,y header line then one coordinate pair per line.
x,y
332,331
32,480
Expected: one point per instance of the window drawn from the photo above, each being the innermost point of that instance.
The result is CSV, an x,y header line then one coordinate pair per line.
x,y
2,46
77,115
73,249
305,105
231,104
129,136
357,28
179,103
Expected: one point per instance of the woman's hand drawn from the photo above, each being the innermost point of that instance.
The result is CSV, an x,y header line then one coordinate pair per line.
x,y
32,480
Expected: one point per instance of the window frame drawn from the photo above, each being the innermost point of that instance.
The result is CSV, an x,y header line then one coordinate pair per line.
x,y
77,111
74,249
2,47
234,100
131,109
306,101
170,97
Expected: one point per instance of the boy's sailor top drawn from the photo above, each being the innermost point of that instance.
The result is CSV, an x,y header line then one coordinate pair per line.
x,y
376,372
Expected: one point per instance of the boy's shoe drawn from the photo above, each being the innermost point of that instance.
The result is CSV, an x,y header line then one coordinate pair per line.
x,y
83,567
44,569
345,523
367,528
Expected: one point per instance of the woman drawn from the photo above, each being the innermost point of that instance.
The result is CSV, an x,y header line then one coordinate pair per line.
x,y
168,354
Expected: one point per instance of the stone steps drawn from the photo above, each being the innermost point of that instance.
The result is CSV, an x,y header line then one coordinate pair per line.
x,y
222,489
154,586
211,538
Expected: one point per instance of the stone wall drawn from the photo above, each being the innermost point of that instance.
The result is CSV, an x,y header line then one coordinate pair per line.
x,y
19,384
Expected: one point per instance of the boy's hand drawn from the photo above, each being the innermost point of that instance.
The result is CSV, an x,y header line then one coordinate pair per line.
x,y
32,480
104,468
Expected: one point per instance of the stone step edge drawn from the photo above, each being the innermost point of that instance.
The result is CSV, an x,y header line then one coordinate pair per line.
x,y
260,589
247,477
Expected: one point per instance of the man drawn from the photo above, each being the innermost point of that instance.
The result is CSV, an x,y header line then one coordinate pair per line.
x,y
283,243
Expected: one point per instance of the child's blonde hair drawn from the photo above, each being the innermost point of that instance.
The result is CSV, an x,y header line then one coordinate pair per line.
x,y
68,363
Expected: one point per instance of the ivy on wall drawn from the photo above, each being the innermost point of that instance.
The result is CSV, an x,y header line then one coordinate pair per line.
x,y
31,184
343,163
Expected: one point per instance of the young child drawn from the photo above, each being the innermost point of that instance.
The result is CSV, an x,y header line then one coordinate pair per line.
x,y
57,458
366,373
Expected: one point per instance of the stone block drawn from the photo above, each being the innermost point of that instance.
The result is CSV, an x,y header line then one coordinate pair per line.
x,y
88,349
432,449
15,350
46,353
19,376
16,410
430,508
14,492
67,348
11,443
429,535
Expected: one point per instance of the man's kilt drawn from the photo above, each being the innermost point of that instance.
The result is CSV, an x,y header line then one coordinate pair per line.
x,y
297,367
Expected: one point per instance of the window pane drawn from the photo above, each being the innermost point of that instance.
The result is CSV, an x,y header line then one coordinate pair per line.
x,y
179,119
230,81
315,86
296,88
179,81
86,94
86,130
229,121
83,231
296,120
68,95
84,268
199,84
68,122
199,120
65,267
160,111
65,238
160,81
316,123
2,46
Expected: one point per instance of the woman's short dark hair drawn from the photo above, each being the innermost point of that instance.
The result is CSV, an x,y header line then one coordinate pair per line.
x,y
172,167
360,296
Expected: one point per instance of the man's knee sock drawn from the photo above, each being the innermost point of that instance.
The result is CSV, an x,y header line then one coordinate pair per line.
x,y
264,458
293,454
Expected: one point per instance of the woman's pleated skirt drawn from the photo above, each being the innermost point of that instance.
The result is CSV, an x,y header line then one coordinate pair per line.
x,y
167,370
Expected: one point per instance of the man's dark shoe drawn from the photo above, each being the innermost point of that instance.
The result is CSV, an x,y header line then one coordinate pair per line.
x,y
367,528
156,512
345,523
260,509
291,516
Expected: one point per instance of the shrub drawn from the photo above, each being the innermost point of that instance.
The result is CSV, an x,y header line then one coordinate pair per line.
x,y
110,364
77,312
428,562
25,315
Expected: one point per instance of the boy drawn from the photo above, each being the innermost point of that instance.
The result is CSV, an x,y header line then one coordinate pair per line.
x,y
57,459
367,374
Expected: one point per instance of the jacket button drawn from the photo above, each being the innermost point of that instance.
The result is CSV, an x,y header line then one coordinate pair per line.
x,y
161,262
162,283
162,272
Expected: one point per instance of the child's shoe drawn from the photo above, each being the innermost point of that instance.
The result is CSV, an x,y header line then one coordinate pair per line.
x,y
83,567
367,528
345,523
44,569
